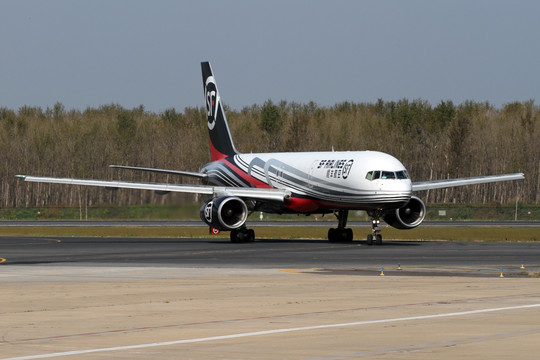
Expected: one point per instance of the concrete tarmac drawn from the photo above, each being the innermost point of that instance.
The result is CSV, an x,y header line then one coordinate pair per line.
x,y
88,298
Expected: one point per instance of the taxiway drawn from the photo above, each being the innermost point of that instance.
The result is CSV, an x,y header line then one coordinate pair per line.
x,y
133,298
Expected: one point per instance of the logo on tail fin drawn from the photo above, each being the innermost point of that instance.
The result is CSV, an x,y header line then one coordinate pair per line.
x,y
221,144
212,101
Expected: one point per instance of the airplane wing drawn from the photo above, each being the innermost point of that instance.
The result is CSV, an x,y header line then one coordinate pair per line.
x,y
164,171
439,184
277,195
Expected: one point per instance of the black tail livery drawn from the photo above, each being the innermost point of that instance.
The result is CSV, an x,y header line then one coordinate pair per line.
x,y
221,143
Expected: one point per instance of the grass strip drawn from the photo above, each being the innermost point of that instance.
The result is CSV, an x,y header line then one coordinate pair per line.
x,y
496,233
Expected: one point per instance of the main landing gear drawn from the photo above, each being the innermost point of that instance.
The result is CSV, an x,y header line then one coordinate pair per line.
x,y
242,235
375,235
341,234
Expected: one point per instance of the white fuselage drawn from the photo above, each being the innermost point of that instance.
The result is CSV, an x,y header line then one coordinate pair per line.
x,y
320,181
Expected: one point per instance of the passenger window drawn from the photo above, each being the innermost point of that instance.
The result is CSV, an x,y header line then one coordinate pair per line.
x,y
388,175
369,175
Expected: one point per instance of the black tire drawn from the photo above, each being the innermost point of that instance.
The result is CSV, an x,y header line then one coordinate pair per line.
x,y
369,240
378,240
242,236
332,235
234,236
349,234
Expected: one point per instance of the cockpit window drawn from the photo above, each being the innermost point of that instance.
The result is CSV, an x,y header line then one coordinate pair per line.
x,y
377,174
402,175
388,175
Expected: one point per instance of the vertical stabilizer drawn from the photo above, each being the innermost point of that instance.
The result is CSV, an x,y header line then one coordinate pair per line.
x,y
221,143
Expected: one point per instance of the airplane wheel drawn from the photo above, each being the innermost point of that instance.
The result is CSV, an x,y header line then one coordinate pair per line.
x,y
370,240
349,234
332,235
340,235
242,236
234,236
378,240
251,235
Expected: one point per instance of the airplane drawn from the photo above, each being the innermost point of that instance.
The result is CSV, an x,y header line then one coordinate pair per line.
x,y
337,182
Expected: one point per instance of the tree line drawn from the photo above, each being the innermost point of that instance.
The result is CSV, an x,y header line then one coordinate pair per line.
x,y
434,142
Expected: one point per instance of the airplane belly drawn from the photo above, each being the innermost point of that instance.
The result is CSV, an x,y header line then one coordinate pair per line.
x,y
322,203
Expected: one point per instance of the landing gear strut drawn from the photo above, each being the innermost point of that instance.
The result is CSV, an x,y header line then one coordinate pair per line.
x,y
341,234
242,235
375,231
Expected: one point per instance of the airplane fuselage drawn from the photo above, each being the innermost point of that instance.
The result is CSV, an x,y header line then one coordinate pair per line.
x,y
319,181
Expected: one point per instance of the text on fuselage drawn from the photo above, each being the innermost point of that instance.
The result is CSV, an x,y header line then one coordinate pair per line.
x,y
336,168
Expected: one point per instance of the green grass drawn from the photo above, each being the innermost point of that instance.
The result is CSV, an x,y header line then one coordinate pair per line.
x,y
190,211
301,232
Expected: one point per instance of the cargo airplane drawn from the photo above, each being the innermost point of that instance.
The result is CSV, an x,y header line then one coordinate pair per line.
x,y
337,182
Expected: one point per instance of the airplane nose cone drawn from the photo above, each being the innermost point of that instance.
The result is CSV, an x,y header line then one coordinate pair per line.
x,y
401,191
403,185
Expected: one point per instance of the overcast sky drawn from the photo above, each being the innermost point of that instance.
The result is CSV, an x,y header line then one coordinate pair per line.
x,y
90,53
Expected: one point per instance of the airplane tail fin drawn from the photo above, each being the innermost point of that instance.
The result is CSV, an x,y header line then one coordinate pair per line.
x,y
221,143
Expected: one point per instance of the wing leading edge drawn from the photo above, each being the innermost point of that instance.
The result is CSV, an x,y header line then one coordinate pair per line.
x,y
440,184
277,195
163,171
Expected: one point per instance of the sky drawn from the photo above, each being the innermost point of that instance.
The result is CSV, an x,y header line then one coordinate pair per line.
x,y
133,52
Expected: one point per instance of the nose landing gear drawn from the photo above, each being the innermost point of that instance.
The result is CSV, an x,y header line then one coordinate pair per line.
x,y
375,235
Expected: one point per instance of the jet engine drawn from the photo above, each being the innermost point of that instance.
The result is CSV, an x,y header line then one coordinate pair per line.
x,y
225,213
408,216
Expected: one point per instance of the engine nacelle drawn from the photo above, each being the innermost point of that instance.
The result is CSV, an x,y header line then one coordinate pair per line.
x,y
225,213
408,216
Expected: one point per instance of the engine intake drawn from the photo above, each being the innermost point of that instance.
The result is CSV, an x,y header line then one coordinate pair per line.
x,y
225,213
408,216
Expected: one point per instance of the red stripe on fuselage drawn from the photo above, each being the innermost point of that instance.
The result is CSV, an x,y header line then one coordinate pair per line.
x,y
302,205
296,204
250,179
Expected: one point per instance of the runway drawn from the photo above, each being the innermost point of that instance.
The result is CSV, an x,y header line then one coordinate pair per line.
x,y
161,298
427,258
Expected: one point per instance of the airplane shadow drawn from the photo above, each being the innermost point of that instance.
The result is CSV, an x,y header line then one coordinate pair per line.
x,y
321,242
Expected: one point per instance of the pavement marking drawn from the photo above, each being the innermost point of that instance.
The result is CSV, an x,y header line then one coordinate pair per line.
x,y
271,317
269,332
437,344
2,260
298,271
